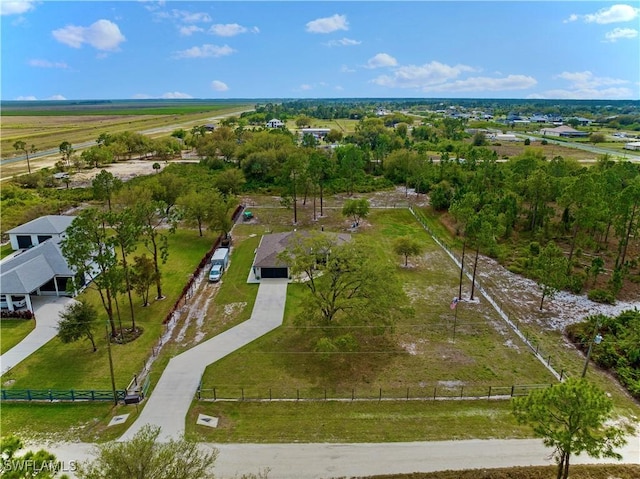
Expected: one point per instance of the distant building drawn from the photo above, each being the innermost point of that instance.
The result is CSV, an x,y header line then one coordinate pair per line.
x,y
317,133
275,123
634,145
564,131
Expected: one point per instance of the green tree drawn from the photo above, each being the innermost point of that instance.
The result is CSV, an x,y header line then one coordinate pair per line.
x,y
351,164
230,181
67,151
156,225
78,321
572,417
334,136
168,188
407,246
30,465
356,209
195,208
143,275
105,185
143,457
346,280
21,145
156,167
96,156
127,228
551,271
90,250
596,268
220,213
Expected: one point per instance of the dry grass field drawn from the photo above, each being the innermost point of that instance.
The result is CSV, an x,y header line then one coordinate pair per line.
x,y
47,132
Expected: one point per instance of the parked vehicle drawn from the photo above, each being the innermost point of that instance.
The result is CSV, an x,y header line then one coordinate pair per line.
x,y
18,302
216,273
221,257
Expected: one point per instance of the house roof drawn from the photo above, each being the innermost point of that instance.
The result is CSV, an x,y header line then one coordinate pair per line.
x,y
562,129
51,224
272,245
29,270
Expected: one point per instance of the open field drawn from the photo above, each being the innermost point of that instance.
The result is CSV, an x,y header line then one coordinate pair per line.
x,y
46,130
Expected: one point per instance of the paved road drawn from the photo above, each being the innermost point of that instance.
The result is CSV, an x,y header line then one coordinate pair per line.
x,y
168,404
314,461
46,309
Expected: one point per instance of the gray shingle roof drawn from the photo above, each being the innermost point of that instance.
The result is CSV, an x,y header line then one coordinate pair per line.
x,y
51,224
272,245
31,269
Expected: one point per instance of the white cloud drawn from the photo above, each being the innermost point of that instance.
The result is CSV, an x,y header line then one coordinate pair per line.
x,y
227,30
328,24
618,33
217,85
587,81
510,82
187,30
305,87
613,14
16,8
585,85
572,18
102,35
343,42
175,94
183,16
26,98
587,94
205,51
47,64
56,97
141,96
381,60
346,69
421,77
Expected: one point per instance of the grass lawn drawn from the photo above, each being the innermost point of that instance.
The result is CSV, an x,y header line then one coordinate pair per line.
x,y
418,355
12,331
5,250
65,366
332,421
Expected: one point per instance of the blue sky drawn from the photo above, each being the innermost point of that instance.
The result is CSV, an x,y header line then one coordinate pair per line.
x,y
384,49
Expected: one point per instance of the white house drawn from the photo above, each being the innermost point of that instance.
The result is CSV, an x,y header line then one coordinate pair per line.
x,y
38,266
634,145
275,123
316,132
39,230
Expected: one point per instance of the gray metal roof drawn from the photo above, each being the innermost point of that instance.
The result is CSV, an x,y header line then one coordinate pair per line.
x,y
51,224
27,271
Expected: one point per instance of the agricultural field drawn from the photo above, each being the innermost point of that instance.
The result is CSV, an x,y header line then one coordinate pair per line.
x,y
47,128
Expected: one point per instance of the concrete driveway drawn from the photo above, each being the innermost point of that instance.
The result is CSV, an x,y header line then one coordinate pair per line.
x,y
47,310
170,400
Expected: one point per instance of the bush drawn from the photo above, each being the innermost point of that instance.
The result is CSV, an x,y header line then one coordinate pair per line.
x,y
576,282
26,314
601,296
544,142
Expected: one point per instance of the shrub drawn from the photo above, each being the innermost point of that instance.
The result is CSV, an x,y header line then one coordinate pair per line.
x,y
544,142
601,296
26,314
576,282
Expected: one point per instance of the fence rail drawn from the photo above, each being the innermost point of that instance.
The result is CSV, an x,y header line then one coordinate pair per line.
x,y
59,395
491,293
418,393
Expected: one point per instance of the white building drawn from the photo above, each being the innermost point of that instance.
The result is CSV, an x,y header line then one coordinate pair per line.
x,y
275,123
